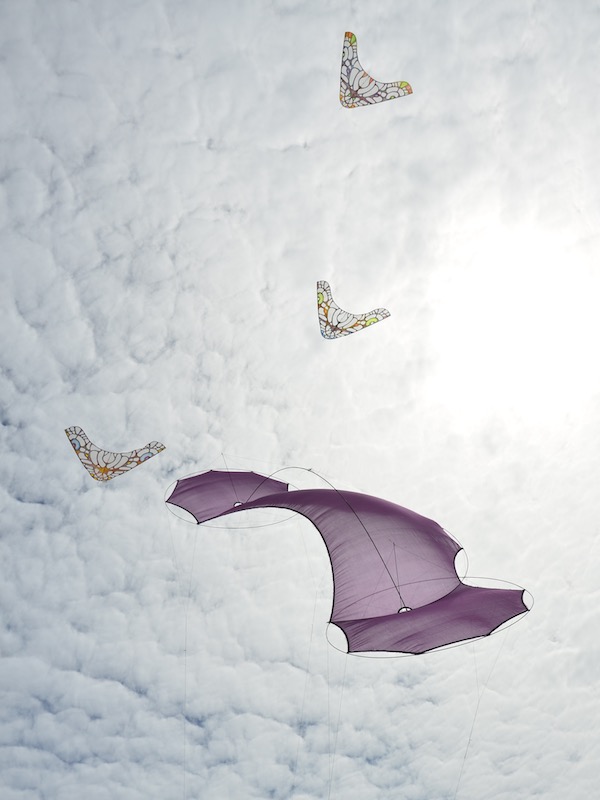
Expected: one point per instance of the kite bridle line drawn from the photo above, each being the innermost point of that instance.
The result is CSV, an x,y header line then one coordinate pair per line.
x,y
479,697
337,491
331,756
186,606
396,583
230,478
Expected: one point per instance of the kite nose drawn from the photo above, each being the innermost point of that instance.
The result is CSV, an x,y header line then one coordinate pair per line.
x,y
403,609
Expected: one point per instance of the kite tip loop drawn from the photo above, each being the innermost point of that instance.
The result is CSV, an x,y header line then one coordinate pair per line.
x,y
528,600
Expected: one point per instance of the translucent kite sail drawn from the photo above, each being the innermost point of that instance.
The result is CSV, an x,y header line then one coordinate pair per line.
x,y
104,465
335,322
395,586
357,87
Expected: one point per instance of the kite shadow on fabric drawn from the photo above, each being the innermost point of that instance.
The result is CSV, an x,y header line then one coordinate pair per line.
x,y
104,465
336,322
395,586
357,87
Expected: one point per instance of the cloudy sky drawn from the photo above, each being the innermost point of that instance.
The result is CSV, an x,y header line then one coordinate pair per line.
x,y
175,176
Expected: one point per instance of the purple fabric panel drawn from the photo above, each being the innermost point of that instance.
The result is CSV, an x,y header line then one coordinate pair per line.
x,y
214,493
383,556
467,612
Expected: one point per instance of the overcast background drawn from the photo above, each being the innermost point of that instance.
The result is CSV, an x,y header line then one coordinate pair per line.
x,y
175,177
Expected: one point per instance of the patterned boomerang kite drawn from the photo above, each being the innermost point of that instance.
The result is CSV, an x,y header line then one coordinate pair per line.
x,y
357,87
104,465
335,322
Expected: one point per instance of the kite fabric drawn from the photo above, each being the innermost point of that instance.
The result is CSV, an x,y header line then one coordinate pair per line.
x,y
335,322
357,87
395,586
104,465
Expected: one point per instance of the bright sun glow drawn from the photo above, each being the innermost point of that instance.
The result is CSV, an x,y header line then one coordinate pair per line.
x,y
516,325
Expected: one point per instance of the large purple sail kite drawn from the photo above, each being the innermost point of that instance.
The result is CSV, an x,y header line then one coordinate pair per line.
x,y
395,586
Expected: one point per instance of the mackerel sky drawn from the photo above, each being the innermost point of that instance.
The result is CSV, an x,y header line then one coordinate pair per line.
x,y
175,177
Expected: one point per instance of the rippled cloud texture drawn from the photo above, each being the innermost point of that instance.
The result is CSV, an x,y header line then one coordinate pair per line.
x,y
175,177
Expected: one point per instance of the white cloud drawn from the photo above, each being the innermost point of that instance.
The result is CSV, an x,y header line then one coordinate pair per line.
x,y
174,179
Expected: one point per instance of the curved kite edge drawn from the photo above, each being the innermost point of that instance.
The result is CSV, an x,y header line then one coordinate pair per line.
x,y
215,493
463,615
170,502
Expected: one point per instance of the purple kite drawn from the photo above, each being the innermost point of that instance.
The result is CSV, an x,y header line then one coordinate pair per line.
x,y
395,586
